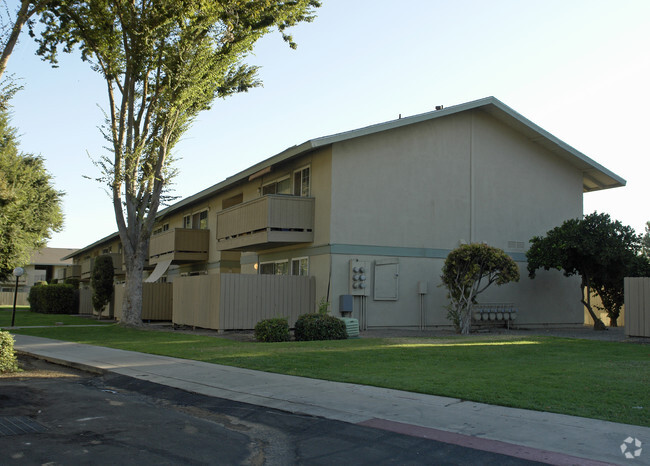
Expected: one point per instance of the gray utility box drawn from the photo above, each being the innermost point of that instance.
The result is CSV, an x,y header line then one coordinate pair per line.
x,y
346,303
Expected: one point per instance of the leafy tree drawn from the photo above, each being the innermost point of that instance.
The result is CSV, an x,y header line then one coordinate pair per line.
x,y
30,208
163,63
12,27
609,285
101,281
645,241
468,271
599,250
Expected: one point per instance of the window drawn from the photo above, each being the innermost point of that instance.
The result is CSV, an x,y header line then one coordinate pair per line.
x,y
300,266
282,186
274,268
159,230
107,250
198,221
301,182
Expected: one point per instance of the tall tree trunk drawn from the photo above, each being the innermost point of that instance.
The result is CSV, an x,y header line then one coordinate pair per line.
x,y
598,324
132,301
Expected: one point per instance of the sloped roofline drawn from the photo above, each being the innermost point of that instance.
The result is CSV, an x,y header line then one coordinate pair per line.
x,y
595,176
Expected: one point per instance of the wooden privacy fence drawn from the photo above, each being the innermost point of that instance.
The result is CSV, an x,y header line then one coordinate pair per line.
x,y
156,301
239,301
7,298
637,307
85,301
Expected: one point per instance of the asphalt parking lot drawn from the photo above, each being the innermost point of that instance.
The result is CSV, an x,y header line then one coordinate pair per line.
x,y
55,415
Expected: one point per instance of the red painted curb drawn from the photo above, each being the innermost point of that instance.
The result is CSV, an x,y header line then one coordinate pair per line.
x,y
478,443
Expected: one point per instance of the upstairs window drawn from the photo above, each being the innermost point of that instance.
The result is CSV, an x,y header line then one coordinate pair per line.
x,y
301,182
200,220
282,186
197,221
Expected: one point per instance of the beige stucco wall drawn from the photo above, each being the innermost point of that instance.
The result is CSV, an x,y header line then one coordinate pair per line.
x,y
417,192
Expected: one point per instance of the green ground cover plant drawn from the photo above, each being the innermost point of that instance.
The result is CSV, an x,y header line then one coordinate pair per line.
x,y
26,318
596,379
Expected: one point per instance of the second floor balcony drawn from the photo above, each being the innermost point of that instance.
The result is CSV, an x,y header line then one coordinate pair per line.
x,y
86,266
267,222
67,272
180,245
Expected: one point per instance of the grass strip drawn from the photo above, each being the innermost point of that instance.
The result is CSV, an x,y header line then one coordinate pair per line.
x,y
25,318
595,379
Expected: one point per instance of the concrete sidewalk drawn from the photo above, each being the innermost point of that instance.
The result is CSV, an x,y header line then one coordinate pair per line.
x,y
532,435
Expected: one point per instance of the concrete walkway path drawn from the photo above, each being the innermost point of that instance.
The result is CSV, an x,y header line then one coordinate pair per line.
x,y
532,435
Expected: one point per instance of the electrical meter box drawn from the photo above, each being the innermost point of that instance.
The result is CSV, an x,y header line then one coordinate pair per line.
x,y
359,277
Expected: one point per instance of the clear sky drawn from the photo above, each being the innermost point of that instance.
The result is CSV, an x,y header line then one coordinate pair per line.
x,y
580,69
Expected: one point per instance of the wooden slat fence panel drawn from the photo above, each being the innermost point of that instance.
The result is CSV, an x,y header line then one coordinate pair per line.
x,y
196,301
7,298
247,299
239,301
637,306
157,301
85,301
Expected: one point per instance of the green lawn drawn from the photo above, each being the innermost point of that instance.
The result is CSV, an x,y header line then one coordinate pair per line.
x,y
603,380
26,318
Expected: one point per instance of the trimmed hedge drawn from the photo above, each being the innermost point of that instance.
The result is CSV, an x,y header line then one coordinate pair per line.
x,y
7,356
54,299
311,327
272,330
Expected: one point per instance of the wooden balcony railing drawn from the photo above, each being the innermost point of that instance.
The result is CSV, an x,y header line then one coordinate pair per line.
x,y
267,222
180,245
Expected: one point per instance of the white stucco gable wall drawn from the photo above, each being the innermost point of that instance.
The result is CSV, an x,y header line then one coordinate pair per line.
x,y
407,187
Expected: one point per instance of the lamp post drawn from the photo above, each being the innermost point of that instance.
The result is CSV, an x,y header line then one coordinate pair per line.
x,y
18,272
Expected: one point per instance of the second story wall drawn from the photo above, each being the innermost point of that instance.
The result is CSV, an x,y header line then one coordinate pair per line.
x,y
466,177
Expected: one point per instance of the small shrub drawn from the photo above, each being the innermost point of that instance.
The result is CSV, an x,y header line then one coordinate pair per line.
x,y
311,327
7,356
272,330
36,298
72,281
53,299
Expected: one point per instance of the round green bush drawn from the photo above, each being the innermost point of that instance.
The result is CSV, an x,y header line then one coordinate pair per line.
x,y
310,327
7,356
272,330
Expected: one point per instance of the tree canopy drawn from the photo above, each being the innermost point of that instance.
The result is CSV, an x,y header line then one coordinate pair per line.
x,y
468,271
601,251
30,207
163,61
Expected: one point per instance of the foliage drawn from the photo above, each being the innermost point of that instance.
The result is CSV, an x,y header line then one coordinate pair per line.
x,y
163,62
467,272
101,281
72,281
272,330
323,306
645,241
54,299
601,251
30,208
311,327
8,361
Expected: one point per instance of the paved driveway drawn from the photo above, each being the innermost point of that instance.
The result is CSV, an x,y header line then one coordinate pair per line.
x,y
54,415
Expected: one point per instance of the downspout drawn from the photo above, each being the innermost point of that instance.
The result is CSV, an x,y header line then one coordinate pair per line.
x,y
472,233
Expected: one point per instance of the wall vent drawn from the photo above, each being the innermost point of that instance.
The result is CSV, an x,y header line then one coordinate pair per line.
x,y
519,245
